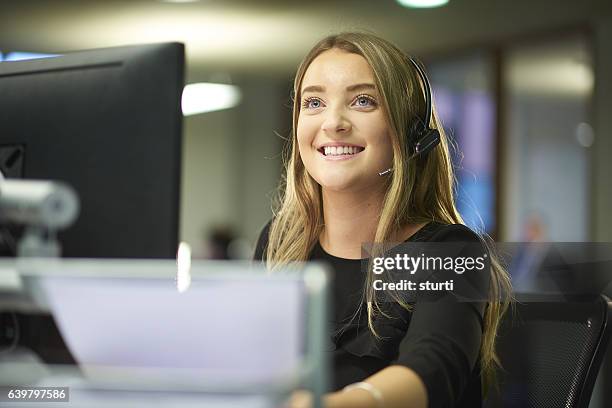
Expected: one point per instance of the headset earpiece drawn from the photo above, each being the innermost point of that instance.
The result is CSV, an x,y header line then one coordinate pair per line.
x,y
428,141
415,130
422,139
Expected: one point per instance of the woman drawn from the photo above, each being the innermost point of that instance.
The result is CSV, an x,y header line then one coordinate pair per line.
x,y
354,175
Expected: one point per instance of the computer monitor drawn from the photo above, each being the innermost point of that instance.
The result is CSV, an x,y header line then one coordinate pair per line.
x,y
108,122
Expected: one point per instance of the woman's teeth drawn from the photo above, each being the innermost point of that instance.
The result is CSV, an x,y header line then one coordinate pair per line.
x,y
340,150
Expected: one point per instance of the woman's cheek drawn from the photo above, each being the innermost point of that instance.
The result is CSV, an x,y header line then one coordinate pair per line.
x,y
305,131
304,151
305,141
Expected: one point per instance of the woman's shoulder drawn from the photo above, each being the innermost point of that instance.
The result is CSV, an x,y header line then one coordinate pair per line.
x,y
456,239
440,232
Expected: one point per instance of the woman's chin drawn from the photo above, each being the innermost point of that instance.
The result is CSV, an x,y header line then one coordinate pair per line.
x,y
339,184
329,182
347,181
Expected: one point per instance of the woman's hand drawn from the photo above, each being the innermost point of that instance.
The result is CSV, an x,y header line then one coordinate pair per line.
x,y
300,399
305,399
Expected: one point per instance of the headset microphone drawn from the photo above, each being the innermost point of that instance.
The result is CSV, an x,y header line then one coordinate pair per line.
x,y
426,138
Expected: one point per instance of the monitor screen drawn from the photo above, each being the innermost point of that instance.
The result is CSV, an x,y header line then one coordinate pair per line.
x,y
107,122
175,331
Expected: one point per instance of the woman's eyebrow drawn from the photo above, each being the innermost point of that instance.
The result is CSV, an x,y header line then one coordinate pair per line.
x,y
313,88
351,88
359,87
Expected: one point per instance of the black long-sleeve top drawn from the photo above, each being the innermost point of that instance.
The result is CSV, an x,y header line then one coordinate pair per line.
x,y
439,340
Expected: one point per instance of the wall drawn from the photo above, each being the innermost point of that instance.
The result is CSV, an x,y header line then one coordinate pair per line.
x,y
208,191
232,163
602,147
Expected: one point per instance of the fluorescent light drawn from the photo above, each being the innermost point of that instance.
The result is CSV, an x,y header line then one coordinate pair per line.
x,y
422,3
21,56
206,97
558,75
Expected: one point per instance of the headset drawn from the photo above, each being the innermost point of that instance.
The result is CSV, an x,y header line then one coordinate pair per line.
x,y
425,138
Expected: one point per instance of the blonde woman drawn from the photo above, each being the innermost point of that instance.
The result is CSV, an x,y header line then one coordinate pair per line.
x,y
354,175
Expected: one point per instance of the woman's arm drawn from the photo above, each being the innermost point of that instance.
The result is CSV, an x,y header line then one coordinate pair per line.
x,y
399,387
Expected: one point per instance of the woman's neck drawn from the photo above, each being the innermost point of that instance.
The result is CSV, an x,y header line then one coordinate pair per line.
x,y
351,219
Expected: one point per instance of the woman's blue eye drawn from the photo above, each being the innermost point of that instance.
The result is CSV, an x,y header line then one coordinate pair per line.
x,y
364,101
311,103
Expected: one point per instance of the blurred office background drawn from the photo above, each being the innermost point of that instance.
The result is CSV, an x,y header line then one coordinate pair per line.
x,y
524,88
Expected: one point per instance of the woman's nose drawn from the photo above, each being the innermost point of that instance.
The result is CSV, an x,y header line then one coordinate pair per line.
x,y
335,122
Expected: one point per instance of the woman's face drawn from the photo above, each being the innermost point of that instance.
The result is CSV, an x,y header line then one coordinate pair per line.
x,y
342,131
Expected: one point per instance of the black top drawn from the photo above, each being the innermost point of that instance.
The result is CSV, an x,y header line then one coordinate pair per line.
x,y
439,340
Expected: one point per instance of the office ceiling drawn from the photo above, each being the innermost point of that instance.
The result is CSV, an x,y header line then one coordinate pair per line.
x,y
270,36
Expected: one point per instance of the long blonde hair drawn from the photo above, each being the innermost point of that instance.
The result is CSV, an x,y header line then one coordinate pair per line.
x,y
298,220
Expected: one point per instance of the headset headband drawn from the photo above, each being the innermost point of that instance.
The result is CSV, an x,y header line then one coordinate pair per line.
x,y
427,90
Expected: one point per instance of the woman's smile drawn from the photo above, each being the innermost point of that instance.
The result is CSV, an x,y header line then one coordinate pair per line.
x,y
339,151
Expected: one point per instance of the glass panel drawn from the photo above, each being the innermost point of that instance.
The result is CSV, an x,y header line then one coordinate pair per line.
x,y
463,94
547,135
